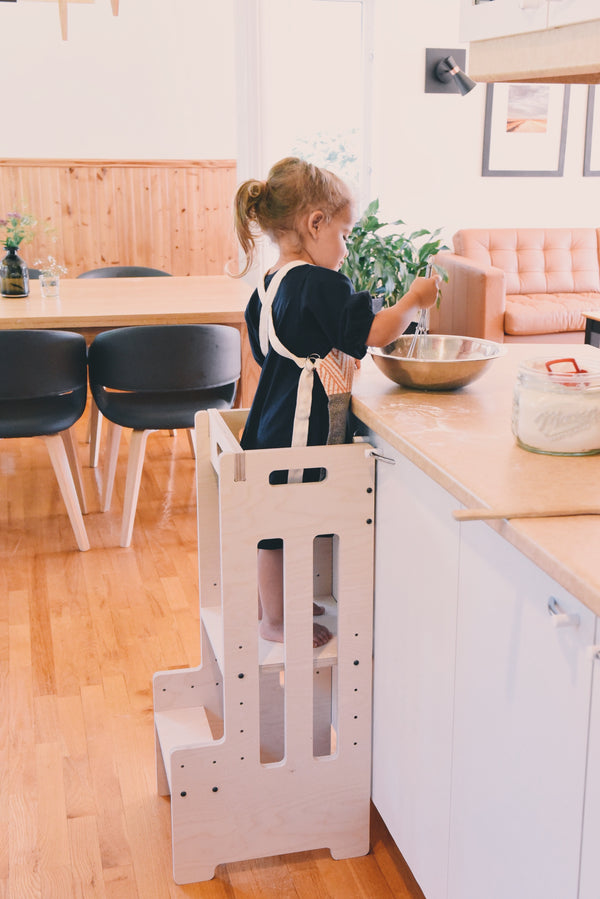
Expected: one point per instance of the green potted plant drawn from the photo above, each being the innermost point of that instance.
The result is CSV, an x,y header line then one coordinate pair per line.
x,y
387,263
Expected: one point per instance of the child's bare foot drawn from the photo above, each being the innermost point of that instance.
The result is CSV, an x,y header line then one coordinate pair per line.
x,y
321,635
274,633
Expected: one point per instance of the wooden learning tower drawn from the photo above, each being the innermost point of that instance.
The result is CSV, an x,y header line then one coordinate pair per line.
x,y
265,748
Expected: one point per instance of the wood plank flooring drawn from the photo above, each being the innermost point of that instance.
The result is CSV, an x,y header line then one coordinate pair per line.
x,y
81,635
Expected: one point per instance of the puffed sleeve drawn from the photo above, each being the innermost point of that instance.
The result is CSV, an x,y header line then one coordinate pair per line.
x,y
346,317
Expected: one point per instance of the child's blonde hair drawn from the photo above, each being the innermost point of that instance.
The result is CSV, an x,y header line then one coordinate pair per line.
x,y
272,207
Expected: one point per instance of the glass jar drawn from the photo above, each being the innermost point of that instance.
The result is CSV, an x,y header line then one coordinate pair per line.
x,y
49,285
14,275
556,407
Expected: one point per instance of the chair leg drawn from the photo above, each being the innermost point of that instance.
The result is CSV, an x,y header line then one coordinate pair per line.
x,y
135,464
95,426
60,464
68,439
113,438
192,440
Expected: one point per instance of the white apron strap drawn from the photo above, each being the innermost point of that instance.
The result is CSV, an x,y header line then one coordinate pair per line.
x,y
266,298
307,364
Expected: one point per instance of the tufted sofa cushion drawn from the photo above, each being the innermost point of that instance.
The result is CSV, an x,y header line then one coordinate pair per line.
x,y
537,260
547,313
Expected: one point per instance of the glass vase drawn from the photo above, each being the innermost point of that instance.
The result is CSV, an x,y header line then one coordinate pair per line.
x,y
14,275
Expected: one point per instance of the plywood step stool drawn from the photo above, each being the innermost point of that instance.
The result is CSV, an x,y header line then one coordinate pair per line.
x,y
265,748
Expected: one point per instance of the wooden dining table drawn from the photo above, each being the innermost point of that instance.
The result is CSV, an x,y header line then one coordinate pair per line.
x,y
91,305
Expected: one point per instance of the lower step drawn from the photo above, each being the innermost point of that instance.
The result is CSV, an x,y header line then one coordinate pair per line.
x,y
180,729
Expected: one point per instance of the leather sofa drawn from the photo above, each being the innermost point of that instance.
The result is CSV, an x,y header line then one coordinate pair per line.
x,y
520,284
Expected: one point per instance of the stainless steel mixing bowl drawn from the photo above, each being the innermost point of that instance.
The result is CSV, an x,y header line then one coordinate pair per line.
x,y
439,361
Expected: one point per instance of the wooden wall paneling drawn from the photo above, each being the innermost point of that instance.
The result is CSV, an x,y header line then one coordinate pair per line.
x,y
67,231
177,235
196,203
170,214
85,212
158,213
214,251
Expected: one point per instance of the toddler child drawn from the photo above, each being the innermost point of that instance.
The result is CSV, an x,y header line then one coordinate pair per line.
x,y
307,329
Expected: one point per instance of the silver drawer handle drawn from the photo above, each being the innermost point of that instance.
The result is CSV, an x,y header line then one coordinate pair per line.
x,y
380,457
560,618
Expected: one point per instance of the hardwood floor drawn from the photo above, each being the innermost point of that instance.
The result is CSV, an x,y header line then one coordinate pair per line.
x,y
81,635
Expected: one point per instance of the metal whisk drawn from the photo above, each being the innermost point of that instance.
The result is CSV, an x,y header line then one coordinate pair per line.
x,y
423,321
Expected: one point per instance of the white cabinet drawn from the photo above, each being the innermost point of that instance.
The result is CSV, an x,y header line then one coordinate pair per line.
x,y
415,617
521,713
569,12
501,18
486,705
497,18
589,885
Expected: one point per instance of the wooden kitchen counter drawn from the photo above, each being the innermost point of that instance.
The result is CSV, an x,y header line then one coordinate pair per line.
x,y
463,440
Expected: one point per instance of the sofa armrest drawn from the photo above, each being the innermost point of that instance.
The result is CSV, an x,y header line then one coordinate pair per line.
x,y
473,299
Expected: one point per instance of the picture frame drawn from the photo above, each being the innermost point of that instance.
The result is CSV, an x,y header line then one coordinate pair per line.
x,y
591,155
525,130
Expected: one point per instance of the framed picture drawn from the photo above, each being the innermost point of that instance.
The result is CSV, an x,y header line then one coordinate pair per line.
x,y
525,130
591,156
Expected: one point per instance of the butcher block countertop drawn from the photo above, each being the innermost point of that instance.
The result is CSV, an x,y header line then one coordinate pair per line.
x,y
463,440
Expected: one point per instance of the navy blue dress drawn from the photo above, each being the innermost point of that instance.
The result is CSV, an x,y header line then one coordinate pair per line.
x,y
315,310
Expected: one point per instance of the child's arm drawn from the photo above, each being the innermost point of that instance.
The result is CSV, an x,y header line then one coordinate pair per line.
x,y
391,322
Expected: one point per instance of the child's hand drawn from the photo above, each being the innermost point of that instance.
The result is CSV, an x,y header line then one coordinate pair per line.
x,y
425,291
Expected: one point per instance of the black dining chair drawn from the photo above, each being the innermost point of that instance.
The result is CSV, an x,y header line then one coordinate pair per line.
x,y
125,271
43,392
156,377
113,271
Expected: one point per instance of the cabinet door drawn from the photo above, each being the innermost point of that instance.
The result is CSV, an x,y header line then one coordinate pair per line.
x,y
523,689
568,12
416,574
590,856
497,18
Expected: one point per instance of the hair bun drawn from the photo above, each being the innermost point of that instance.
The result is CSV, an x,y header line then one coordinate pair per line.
x,y
255,189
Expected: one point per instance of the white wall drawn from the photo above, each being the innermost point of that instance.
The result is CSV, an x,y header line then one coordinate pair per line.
x,y
428,147
155,82
158,81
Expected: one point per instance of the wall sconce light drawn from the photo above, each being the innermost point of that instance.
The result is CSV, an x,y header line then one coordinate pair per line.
x,y
444,72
